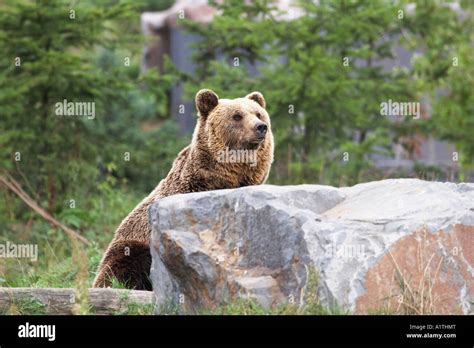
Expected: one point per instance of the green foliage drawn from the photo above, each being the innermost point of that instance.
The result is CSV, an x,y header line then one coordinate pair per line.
x,y
50,68
447,72
82,59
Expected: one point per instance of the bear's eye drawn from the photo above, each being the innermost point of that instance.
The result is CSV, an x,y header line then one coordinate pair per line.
x,y
237,117
258,115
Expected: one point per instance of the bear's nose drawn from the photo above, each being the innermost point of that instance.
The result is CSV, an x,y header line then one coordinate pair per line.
x,y
261,129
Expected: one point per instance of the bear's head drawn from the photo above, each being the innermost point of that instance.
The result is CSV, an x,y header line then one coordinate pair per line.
x,y
236,124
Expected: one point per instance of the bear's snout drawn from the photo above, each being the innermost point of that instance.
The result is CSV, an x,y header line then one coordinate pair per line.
x,y
260,130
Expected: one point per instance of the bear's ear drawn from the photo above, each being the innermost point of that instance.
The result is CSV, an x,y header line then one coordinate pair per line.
x,y
206,101
257,97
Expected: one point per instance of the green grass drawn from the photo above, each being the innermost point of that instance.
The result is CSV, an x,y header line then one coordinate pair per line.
x,y
30,306
137,309
96,220
251,307
52,274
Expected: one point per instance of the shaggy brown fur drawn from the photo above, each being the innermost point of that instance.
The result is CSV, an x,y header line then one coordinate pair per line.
x,y
223,124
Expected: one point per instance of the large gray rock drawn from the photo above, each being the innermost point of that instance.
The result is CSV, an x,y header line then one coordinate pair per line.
x,y
395,246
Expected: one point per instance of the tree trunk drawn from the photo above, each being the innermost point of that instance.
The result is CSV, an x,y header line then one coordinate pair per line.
x,y
62,301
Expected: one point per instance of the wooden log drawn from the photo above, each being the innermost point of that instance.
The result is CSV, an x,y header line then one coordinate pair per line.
x,y
62,301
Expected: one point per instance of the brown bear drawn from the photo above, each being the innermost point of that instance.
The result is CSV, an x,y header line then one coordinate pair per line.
x,y
232,146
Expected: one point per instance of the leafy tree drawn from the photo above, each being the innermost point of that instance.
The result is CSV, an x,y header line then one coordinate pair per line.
x,y
53,51
446,70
